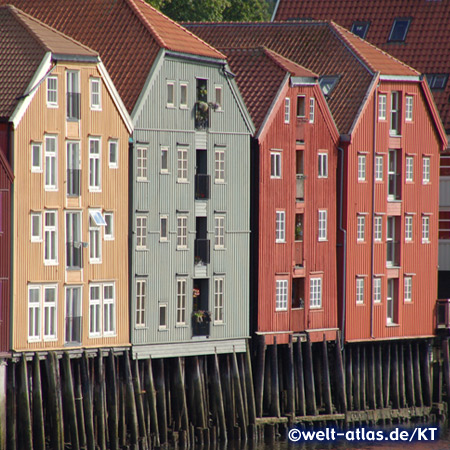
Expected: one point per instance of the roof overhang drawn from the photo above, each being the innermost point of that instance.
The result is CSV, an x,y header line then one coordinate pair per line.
x,y
75,58
400,78
196,58
303,81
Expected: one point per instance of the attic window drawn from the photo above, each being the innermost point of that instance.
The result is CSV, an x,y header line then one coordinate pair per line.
x,y
437,81
360,29
328,83
399,30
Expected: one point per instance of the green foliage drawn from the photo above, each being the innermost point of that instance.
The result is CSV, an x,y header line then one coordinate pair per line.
x,y
214,10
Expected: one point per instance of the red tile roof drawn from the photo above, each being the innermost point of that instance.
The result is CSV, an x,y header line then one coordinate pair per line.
x,y
128,34
427,43
322,47
24,41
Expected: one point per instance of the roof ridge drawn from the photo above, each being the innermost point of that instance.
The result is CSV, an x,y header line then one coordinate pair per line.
x,y
273,55
346,34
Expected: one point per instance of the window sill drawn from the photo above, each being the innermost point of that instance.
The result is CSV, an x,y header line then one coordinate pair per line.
x,y
52,106
141,249
51,263
50,189
95,109
142,180
281,310
220,249
164,172
95,261
392,325
182,249
181,325
181,181
94,191
164,330
316,308
36,170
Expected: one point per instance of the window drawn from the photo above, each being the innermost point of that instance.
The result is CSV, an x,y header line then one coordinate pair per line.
x,y
74,249
48,321
163,231
34,313
109,227
300,106
280,227
393,241
409,101
394,175
162,316
281,295
437,81
141,163
361,228
181,302
328,83
36,227
94,311
95,240
73,95
391,301
183,95
399,30
113,154
426,169
219,104
408,227
287,110
315,293
377,228
219,232
322,225
323,165
218,300
94,164
361,167
360,29
73,169
73,318
219,165
49,312
141,232
95,94
51,167
50,238
359,290
444,224
409,170
52,92
102,297
377,290
141,294
170,94
408,289
425,229
164,159
382,107
395,114
182,164
36,157
275,165
312,105
109,309
379,168
181,232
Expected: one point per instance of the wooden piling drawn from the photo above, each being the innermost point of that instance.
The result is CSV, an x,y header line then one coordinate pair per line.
x,y
326,377
362,385
371,378
300,383
446,362
259,372
275,385
139,405
240,360
386,373
130,404
87,402
417,375
409,376
180,392
349,376
379,376
290,379
54,402
238,397
158,372
394,376
151,400
23,407
69,400
38,412
340,377
11,407
426,378
310,389
250,388
112,401
356,377
401,376
218,399
99,397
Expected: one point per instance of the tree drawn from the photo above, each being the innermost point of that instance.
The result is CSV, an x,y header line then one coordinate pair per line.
x,y
246,11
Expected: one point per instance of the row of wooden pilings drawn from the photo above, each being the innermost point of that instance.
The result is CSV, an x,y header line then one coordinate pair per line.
x,y
107,400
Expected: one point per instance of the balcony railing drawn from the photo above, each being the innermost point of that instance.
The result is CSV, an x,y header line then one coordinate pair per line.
x,y
202,186
73,182
73,106
200,327
202,251
300,195
74,255
201,116
73,330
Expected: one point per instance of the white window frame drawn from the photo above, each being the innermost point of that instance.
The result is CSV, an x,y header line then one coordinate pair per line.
x,y
287,110
36,146
395,118
322,221
181,301
409,169
33,236
165,325
95,311
219,283
361,167
359,290
184,103
408,227
407,289
426,166
95,241
409,106
141,299
280,226
109,234
141,232
51,164
379,166
100,308
164,159
95,96
312,109
219,232
170,87
113,148
275,165
181,232
322,158
377,290
109,310
182,164
315,293
52,92
95,164
219,165
163,236
378,228
425,229
360,228
218,97
281,295
34,315
51,238
141,163
50,317
382,103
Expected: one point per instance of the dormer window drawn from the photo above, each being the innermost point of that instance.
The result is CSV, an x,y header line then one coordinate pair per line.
x,y
360,29
399,30
437,81
328,83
